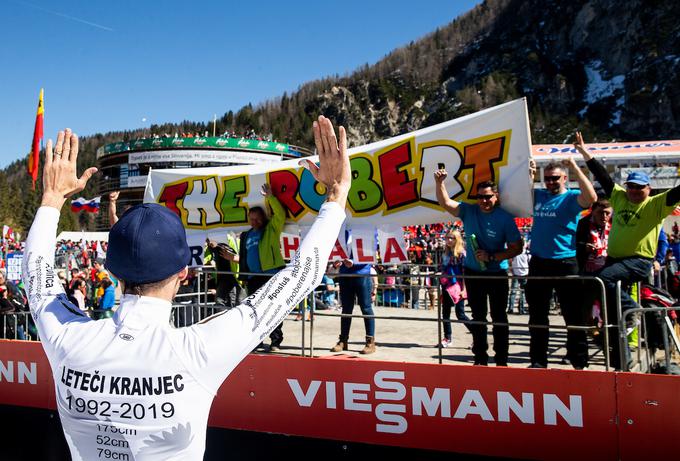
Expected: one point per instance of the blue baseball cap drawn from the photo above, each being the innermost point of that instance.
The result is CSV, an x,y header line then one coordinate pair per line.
x,y
147,244
638,177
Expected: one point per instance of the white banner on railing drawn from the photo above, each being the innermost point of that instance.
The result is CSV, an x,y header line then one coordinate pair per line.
x,y
364,244
391,243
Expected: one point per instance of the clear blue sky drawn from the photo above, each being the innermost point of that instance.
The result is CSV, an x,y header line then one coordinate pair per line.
x,y
108,65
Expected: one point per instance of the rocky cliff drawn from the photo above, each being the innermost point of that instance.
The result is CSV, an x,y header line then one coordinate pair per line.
x,y
607,67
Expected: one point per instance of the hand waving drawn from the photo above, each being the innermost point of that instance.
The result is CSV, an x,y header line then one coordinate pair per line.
x,y
532,168
266,190
569,163
60,180
581,147
334,169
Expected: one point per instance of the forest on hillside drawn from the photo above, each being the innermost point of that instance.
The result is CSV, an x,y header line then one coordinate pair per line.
x,y
610,71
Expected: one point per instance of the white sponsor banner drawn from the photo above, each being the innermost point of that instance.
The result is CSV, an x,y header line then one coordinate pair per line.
x,y
392,179
341,249
392,245
361,248
84,236
364,244
136,181
289,241
202,155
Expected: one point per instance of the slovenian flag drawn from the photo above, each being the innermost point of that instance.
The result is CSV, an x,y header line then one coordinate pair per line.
x,y
83,204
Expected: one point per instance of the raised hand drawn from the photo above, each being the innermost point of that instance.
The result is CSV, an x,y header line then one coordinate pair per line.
x,y
113,196
581,146
440,176
266,190
60,179
569,163
333,170
532,168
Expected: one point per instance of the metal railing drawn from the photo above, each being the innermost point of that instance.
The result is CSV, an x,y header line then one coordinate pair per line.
x,y
647,362
18,326
667,331
204,273
202,305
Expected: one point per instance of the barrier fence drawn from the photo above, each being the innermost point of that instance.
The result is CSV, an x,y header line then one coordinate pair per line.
x,y
199,304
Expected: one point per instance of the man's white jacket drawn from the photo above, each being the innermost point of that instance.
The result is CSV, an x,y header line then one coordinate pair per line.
x,y
132,386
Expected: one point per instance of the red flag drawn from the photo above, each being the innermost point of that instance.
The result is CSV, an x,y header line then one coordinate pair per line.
x,y
34,156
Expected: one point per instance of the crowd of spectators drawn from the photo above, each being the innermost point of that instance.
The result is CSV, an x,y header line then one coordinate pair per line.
x,y
79,266
15,321
459,263
436,255
248,134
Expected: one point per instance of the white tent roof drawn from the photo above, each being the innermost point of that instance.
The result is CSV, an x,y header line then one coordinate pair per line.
x,y
89,236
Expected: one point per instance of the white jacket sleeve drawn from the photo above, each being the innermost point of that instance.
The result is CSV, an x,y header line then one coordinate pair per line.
x,y
223,340
49,305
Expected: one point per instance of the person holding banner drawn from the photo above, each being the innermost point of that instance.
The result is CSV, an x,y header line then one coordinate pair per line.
x,y
634,236
134,372
493,239
557,210
260,251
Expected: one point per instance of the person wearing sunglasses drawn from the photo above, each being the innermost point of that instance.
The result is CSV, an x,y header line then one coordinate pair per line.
x,y
557,210
633,238
493,239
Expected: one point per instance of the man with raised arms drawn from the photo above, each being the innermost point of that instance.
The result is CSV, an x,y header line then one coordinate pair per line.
x,y
131,386
553,253
493,239
633,239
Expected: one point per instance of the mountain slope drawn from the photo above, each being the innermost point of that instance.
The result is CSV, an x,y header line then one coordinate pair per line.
x,y
610,68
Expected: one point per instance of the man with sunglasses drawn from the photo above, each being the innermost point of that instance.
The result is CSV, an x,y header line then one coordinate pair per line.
x,y
633,238
553,253
496,240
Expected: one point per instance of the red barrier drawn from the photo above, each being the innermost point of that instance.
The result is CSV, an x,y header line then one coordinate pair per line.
x,y
491,411
25,375
649,416
509,412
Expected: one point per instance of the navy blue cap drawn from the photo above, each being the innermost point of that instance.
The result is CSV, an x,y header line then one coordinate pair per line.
x,y
638,177
147,244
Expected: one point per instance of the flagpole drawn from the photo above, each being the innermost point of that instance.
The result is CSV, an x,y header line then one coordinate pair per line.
x,y
214,124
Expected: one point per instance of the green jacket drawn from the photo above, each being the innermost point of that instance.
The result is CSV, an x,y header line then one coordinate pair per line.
x,y
270,246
